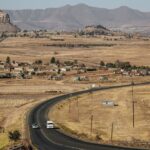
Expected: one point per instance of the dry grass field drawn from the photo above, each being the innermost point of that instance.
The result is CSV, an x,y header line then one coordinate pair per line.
x,y
29,49
113,79
74,116
17,97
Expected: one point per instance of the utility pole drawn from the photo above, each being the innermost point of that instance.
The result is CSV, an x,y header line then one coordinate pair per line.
x,y
112,131
69,106
78,107
70,103
133,104
91,124
91,101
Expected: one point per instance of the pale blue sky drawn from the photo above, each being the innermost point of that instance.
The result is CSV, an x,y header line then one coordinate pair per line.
x,y
143,5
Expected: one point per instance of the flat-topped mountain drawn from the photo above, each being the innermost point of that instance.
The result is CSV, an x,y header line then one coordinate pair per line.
x,y
78,16
5,24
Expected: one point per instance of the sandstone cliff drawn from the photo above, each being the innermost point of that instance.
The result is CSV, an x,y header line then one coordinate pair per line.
x,y
5,24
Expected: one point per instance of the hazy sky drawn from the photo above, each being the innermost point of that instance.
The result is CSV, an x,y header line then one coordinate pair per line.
x,y
143,5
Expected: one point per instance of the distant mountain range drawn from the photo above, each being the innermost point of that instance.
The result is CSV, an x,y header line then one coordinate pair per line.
x,y
76,17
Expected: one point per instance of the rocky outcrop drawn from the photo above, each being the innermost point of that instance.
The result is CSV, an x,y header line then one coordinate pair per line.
x,y
95,30
4,18
5,24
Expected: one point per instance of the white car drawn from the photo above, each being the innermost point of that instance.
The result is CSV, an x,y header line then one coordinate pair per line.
x,y
49,124
35,126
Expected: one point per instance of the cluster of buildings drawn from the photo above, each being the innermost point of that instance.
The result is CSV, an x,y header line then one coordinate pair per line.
x,y
133,72
22,70
57,72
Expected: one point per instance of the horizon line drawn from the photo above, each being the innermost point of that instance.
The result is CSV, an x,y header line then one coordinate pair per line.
x,y
71,5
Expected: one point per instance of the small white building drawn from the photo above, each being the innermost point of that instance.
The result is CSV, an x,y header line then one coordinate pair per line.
x,y
14,64
103,78
108,103
18,69
55,77
30,70
63,70
2,65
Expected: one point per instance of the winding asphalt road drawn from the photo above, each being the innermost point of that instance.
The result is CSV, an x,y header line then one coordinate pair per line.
x,y
53,139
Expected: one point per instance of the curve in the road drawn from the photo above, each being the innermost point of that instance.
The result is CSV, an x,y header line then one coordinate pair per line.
x,y
53,139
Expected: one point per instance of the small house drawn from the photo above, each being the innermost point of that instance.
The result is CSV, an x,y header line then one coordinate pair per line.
x,y
76,78
55,77
30,70
81,78
103,78
108,103
57,38
5,75
14,64
63,69
143,72
18,69
84,78
91,69
126,73
2,65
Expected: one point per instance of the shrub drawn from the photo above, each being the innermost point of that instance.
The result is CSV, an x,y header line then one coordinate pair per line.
x,y
14,135
53,60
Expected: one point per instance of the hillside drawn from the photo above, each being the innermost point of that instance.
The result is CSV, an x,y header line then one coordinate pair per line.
x,y
76,17
95,30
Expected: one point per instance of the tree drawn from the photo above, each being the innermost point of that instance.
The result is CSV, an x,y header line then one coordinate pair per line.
x,y
83,66
59,71
125,65
57,62
110,65
55,53
118,63
75,35
38,62
53,60
102,63
58,33
81,33
3,35
25,31
8,60
69,63
76,61
14,135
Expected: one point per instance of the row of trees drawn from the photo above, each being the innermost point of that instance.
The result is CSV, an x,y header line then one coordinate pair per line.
x,y
116,64
38,62
53,60
122,65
